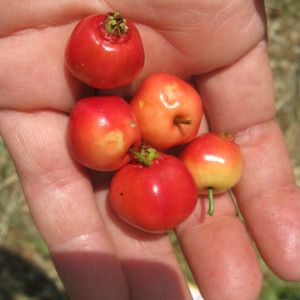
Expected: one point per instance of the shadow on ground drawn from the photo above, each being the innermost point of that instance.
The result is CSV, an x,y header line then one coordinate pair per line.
x,y
20,279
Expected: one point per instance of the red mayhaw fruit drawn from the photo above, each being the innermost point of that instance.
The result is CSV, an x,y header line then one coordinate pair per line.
x,y
105,51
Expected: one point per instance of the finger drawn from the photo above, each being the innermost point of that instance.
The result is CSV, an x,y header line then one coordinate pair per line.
x,y
16,15
25,83
148,260
45,31
240,99
205,35
61,201
219,252
41,80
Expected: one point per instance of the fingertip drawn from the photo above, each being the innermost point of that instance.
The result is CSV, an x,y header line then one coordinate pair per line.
x,y
223,260
279,241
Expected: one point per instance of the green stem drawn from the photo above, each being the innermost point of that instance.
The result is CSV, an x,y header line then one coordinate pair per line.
x,y
232,195
211,206
140,157
179,120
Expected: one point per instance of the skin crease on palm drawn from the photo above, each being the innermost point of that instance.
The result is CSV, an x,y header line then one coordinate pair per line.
x,y
221,44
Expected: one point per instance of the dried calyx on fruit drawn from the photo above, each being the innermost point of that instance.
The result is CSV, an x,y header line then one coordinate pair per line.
x,y
146,155
115,24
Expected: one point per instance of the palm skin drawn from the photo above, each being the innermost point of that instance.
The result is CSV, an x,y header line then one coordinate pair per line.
x,y
98,257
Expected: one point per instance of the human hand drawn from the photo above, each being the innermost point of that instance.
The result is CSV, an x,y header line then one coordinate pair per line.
x,y
97,256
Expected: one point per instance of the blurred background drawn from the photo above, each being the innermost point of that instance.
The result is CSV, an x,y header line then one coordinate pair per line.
x,y
26,271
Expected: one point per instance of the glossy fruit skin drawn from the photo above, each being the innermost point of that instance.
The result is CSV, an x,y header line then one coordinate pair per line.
x,y
161,98
100,132
155,198
102,60
214,162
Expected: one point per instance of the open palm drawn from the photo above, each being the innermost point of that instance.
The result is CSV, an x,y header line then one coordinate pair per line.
x,y
221,45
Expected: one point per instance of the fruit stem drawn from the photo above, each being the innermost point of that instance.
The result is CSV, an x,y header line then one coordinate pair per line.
x,y
231,195
211,206
115,24
179,120
146,155
139,156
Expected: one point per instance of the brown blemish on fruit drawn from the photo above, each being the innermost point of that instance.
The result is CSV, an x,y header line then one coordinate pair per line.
x,y
226,136
170,90
132,123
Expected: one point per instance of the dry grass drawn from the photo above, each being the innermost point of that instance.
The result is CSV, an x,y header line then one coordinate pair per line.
x,y
284,49
24,258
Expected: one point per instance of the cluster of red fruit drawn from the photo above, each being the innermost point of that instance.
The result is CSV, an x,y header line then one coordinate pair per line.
x,y
151,189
